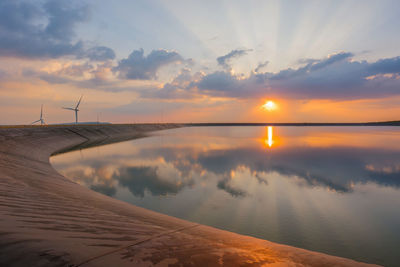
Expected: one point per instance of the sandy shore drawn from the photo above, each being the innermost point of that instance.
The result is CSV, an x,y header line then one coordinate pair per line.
x,y
47,220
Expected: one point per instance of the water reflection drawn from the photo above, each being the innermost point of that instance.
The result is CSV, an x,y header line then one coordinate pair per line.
x,y
268,141
333,190
166,169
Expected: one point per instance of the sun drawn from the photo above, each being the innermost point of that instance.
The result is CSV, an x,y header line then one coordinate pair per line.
x,y
269,105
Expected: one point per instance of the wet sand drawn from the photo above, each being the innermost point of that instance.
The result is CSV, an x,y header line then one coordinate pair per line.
x,y
47,220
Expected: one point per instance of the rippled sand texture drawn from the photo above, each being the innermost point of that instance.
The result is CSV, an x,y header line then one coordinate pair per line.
x,y
47,220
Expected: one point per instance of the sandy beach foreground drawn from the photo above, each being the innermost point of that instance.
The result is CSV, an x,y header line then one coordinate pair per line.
x,y
47,220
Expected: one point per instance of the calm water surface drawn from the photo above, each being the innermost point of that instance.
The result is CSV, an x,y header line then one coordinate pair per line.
x,y
329,189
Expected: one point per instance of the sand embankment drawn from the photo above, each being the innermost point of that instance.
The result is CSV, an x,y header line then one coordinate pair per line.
x,y
47,220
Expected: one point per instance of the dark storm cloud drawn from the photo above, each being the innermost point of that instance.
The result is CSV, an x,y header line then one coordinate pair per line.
x,y
140,67
224,61
43,29
333,77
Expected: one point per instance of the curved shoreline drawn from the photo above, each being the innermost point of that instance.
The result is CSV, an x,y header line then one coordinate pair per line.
x,y
47,220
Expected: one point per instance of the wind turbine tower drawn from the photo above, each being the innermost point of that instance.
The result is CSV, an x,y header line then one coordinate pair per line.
x,y
76,109
41,120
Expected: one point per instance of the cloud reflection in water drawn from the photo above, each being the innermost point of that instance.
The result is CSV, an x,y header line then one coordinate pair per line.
x,y
170,168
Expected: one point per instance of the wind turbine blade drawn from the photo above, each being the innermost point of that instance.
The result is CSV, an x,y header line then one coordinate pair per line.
x,y
68,108
79,102
41,112
35,122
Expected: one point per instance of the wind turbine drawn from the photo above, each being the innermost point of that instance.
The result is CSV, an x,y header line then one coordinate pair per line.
x,y
76,109
41,117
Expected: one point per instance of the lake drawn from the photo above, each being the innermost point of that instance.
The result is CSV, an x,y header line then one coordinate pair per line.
x,y
328,189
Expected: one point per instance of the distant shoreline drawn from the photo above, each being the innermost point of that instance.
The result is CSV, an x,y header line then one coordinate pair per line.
x,y
208,124
386,123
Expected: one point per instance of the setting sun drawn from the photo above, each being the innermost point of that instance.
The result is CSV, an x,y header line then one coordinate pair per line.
x,y
269,105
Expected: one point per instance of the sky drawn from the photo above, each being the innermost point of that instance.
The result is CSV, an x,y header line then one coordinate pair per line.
x,y
200,61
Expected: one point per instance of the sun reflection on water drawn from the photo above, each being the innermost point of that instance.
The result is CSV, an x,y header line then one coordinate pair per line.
x,y
269,140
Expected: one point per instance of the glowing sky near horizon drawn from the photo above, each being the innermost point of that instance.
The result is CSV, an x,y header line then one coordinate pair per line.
x,y
196,61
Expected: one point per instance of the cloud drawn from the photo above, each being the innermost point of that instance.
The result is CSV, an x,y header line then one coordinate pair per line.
x,y
219,81
311,66
179,88
62,16
385,66
336,76
75,70
261,66
140,67
224,61
100,53
322,63
89,74
45,30
54,79
21,35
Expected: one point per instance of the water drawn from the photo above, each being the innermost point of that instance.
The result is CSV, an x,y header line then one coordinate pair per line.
x,y
328,189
